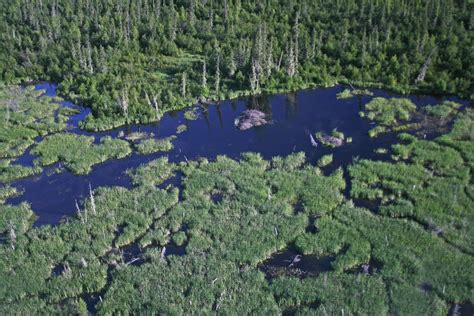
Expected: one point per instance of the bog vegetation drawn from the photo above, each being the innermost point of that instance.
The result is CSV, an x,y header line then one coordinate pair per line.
x,y
193,237
25,118
78,152
198,247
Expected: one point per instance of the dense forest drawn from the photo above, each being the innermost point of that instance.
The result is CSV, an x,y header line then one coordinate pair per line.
x,y
132,60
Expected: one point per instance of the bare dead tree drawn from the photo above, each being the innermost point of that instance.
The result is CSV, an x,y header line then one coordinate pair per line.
x,y
424,69
218,75
204,75
291,62
12,235
183,85
91,196
124,103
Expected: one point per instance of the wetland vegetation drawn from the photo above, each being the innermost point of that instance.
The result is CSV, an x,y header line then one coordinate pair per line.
x,y
25,119
78,152
135,203
229,216
151,145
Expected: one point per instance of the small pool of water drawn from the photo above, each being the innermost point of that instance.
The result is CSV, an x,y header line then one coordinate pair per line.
x,y
294,115
290,262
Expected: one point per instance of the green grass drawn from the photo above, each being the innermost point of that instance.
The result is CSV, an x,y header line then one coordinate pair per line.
x,y
345,94
191,114
181,128
230,216
443,110
153,173
79,153
408,256
432,186
152,145
337,134
9,172
330,294
362,92
7,192
325,160
24,116
254,219
388,114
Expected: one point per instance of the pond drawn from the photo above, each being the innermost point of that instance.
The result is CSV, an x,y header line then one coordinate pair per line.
x,y
52,195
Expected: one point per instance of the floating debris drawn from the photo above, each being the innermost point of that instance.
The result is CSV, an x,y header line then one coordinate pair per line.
x,y
347,93
313,141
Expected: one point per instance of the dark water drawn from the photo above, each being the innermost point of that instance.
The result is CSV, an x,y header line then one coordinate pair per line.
x,y
52,196
291,262
462,309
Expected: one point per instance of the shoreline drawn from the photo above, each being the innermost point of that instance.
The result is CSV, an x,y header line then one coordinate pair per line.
x,y
119,121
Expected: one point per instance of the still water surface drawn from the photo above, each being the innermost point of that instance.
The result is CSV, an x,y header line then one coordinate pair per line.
x,y
52,196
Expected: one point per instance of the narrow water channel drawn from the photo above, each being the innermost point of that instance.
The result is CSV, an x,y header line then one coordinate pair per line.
x,y
52,195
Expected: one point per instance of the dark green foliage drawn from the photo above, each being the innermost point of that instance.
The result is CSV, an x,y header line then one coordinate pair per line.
x,y
150,55
402,249
334,294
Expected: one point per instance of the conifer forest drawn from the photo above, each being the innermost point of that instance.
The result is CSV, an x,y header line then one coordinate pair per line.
x,y
236,157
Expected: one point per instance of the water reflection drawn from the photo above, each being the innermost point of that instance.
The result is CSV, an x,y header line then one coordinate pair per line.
x,y
213,133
